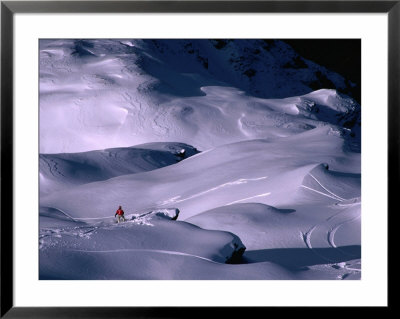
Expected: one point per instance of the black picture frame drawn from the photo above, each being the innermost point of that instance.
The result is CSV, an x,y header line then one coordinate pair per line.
x,y
9,8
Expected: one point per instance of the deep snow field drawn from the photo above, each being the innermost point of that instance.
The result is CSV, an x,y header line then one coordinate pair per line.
x,y
269,186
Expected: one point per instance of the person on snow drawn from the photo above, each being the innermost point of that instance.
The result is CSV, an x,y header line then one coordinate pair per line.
x,y
120,214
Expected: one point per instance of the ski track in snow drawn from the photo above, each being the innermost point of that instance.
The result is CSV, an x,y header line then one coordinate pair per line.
x,y
82,218
307,240
335,195
85,231
106,217
330,195
341,219
168,252
332,231
81,232
176,199
256,196
314,190
347,204
120,95
67,215
329,230
307,235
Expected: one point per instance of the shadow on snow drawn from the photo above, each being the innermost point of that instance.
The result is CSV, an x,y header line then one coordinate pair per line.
x,y
296,258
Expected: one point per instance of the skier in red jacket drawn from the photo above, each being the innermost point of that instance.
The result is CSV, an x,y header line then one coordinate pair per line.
x,y
120,214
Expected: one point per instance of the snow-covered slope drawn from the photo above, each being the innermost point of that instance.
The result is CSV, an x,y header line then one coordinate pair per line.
x,y
275,189
157,235
97,94
60,171
258,170
301,204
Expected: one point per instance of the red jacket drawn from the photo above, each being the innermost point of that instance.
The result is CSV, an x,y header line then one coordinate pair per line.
x,y
119,212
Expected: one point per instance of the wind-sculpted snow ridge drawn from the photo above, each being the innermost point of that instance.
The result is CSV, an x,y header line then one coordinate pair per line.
x,y
256,224
275,192
269,68
97,94
264,171
61,171
319,230
65,248
152,246
288,208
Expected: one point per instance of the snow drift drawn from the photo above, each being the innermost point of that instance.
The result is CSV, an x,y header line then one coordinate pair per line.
x,y
269,185
60,171
97,94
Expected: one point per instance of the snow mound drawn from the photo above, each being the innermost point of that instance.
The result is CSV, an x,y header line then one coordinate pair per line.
x,y
269,172
61,171
97,94
250,221
131,238
275,189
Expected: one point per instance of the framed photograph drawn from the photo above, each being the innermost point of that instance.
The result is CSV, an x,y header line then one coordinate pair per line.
x,y
165,157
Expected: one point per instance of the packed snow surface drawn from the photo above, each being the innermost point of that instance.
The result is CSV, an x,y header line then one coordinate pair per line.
x,y
227,163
